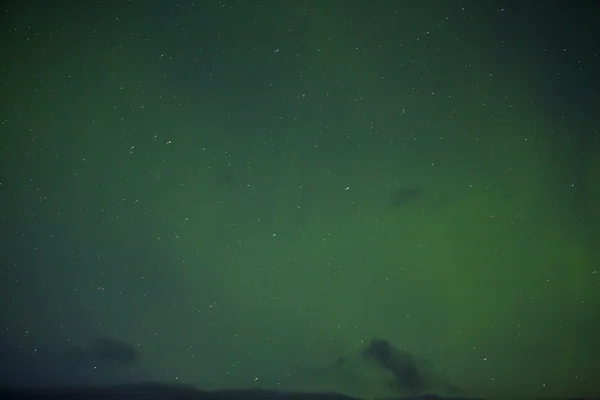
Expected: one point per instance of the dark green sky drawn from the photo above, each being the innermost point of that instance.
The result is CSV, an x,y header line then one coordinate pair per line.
x,y
244,191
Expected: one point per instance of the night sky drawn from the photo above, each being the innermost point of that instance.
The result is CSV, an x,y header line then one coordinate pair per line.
x,y
241,192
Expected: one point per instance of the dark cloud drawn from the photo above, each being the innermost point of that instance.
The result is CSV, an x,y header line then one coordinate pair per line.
x,y
105,350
